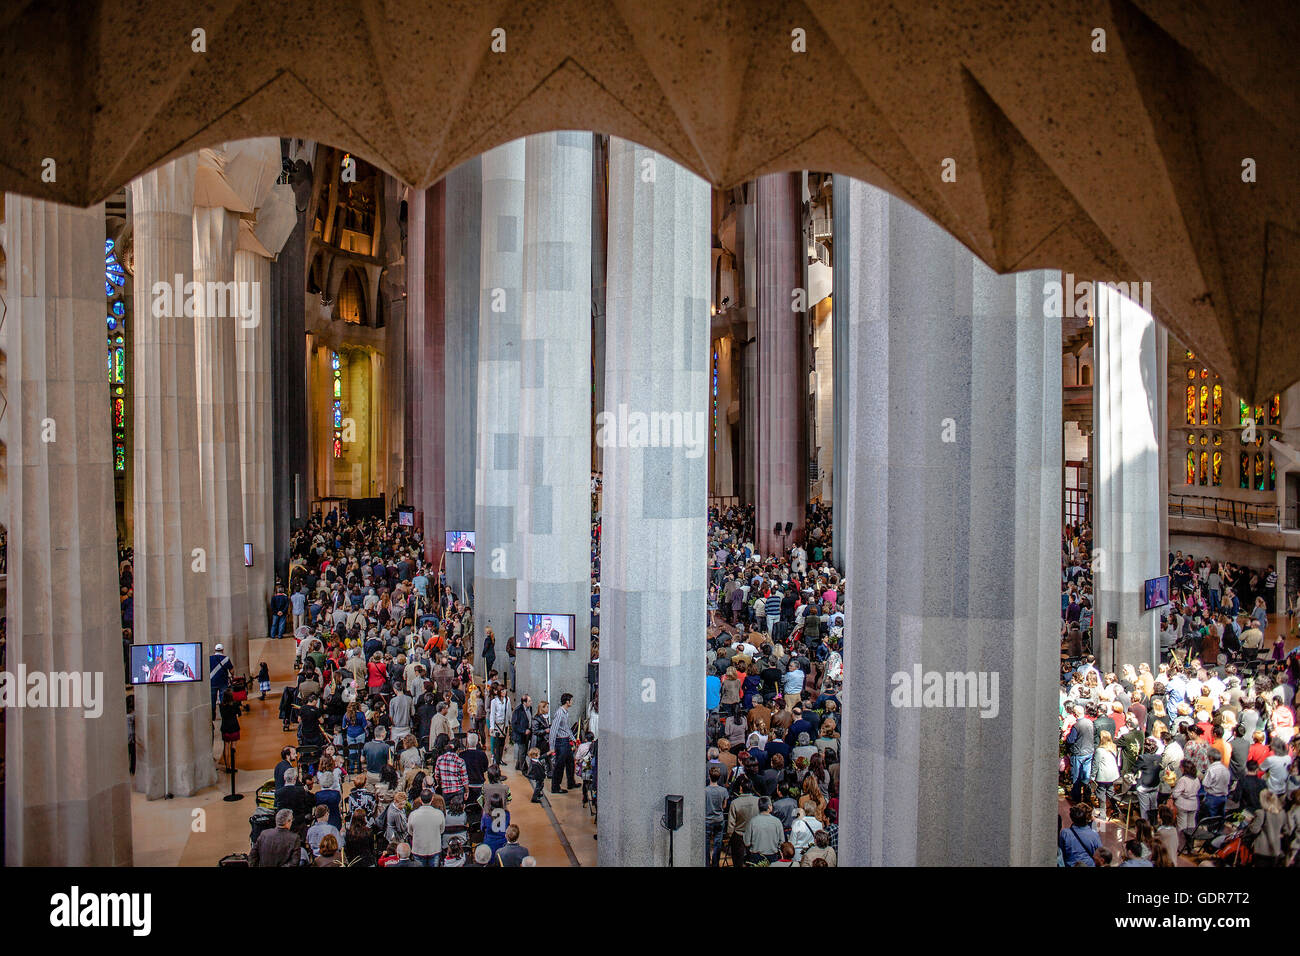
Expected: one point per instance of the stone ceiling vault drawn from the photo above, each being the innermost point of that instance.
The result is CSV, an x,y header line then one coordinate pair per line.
x,y
1124,165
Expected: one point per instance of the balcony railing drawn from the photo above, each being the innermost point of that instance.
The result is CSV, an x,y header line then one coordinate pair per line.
x,y
1240,514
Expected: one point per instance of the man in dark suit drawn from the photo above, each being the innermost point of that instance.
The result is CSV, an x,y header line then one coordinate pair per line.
x,y
279,846
294,797
512,854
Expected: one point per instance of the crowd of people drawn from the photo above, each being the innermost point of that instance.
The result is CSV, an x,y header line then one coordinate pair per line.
x,y
1193,755
773,677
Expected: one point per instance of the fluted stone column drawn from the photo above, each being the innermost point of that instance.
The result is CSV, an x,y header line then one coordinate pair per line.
x,y
554,514
496,473
170,596
653,565
1126,502
426,331
216,232
67,796
779,455
260,240
253,348
460,417
951,524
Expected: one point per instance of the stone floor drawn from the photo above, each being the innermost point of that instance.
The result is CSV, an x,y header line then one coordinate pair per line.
x,y
200,830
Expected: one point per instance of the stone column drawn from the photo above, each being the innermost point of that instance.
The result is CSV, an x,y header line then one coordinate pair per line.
x,y
460,418
1126,502
951,524
67,796
216,232
841,454
497,461
779,453
169,522
260,240
253,356
413,406
425,242
653,568
554,513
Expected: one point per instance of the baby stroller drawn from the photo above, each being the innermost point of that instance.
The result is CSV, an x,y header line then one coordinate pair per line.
x,y
288,714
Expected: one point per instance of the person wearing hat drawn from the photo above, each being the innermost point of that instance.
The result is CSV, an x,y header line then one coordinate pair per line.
x,y
219,670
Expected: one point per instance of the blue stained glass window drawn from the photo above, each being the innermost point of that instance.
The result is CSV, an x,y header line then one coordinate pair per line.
x,y
112,323
119,308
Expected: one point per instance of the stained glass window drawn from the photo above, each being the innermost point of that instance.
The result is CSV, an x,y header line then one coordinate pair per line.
x,y
715,401
1205,468
1244,413
1205,373
338,405
1191,404
1191,375
1218,404
1275,411
1216,478
1191,467
1259,414
1245,469
1205,404
114,287
1272,474
1260,475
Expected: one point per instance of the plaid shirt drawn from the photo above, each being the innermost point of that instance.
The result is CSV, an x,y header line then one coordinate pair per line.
x,y
452,774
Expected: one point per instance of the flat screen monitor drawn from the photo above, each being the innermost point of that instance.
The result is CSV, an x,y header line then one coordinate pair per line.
x,y
460,542
1155,592
167,663
545,632
406,517
248,555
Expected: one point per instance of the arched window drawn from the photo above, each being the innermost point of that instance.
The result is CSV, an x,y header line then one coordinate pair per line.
x,y
1205,468
1205,404
1191,467
1260,475
1216,477
1218,404
1191,404
1245,469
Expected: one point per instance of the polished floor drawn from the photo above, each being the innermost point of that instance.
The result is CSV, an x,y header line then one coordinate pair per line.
x,y
200,830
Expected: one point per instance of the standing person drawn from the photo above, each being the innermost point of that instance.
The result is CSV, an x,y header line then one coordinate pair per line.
x,y
426,824
263,680
497,713
219,670
510,653
489,652
229,718
279,611
521,722
562,740
298,604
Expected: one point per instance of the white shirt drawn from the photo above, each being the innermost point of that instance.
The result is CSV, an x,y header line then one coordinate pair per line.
x,y
426,826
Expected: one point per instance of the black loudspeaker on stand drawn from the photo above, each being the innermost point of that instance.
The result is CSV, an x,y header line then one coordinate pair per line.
x,y
674,805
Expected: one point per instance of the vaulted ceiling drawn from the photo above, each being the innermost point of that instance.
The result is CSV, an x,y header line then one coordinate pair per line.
x,y
1120,165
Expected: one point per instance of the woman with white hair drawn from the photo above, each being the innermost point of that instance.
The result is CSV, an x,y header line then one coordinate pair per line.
x,y
803,832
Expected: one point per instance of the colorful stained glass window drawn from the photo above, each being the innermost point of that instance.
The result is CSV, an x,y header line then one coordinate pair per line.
x,y
715,401
1191,375
1190,356
1275,410
1216,477
1272,474
1205,404
1205,439
1244,413
1191,467
1259,414
1205,373
1205,468
114,284
1245,469
1218,404
337,444
1191,439
1191,404
1260,475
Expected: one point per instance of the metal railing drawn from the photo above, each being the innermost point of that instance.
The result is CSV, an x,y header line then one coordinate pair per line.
x,y
1240,514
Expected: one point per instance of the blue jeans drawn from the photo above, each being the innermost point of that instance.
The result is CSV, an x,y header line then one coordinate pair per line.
x,y
1080,771
713,834
427,860
277,625
1212,806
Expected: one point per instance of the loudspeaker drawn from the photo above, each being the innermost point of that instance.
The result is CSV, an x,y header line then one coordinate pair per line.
x,y
777,529
789,526
673,811
1112,630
